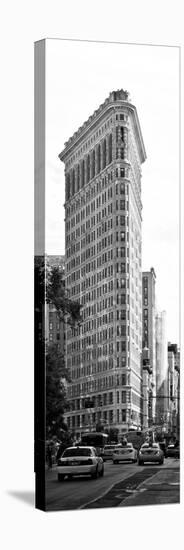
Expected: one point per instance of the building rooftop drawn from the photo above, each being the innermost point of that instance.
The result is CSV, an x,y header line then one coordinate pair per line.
x,y
114,96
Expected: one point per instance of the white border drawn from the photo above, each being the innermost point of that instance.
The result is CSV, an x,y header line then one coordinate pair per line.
x,y
23,23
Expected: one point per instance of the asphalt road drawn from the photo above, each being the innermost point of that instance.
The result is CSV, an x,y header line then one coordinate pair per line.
x,y
122,485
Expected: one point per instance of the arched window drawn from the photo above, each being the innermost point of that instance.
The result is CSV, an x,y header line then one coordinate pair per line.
x,y
110,148
88,168
104,154
93,164
82,173
98,159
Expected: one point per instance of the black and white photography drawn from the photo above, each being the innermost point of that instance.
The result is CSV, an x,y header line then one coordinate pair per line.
x,y
107,329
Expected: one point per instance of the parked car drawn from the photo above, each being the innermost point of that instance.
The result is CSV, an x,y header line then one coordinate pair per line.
x,y
173,450
124,454
76,461
150,452
108,451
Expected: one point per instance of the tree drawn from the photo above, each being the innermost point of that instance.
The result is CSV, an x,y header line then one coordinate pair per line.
x,y
50,288
57,294
56,372
56,402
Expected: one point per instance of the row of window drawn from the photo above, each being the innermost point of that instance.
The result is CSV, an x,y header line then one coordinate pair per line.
x,y
91,193
88,168
75,390
109,417
102,366
103,337
121,315
92,139
98,133
103,400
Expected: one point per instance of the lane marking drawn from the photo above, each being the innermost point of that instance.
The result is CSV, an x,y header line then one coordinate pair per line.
x,y
106,491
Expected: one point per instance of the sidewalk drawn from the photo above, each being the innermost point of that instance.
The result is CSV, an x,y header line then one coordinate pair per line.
x,y
162,488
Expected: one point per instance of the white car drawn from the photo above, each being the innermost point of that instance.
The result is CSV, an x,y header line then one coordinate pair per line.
x,y
124,454
108,452
76,461
150,452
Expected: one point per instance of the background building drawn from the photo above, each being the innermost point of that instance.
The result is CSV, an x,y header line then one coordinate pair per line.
x,y
103,266
54,328
149,342
173,389
162,402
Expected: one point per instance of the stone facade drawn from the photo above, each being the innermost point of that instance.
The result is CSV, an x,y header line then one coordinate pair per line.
x,y
103,266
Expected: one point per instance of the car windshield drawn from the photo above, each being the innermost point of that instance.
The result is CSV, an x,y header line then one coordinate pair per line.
x,y
77,451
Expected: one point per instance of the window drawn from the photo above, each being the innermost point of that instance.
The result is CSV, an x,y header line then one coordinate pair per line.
x,y
122,133
110,417
98,159
122,220
73,182
82,174
122,205
123,396
122,188
123,379
110,398
93,164
123,416
110,148
104,153
88,168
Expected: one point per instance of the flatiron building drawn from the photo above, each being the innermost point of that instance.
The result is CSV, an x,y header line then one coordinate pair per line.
x,y
103,218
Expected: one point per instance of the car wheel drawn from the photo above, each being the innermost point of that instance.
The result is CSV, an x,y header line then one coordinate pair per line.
x,y
161,461
102,472
115,462
70,476
60,477
95,474
140,462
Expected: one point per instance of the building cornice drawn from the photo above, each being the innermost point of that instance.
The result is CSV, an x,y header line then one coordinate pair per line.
x,y
108,106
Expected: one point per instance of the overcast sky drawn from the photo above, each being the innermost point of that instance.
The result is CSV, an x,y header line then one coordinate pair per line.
x,y
79,77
